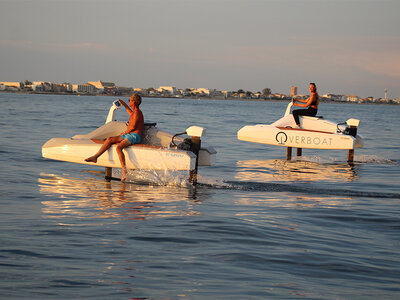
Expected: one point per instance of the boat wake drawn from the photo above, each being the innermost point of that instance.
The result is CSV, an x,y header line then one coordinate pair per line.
x,y
249,186
360,158
374,159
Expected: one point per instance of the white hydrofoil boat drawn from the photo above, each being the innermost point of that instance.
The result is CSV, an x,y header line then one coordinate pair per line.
x,y
159,150
314,133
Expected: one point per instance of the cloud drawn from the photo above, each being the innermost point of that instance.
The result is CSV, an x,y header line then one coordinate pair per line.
x,y
99,48
63,47
378,56
16,43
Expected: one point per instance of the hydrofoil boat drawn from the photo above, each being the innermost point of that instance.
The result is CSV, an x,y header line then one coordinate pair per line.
x,y
314,133
159,150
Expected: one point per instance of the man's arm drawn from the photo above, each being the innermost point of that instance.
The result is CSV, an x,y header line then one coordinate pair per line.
x,y
128,109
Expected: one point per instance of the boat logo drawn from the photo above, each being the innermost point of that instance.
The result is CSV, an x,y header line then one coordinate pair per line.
x,y
281,138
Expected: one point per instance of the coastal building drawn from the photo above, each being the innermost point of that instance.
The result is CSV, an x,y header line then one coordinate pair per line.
x,y
143,92
103,87
12,85
365,100
171,90
293,91
153,92
226,94
281,96
122,90
42,86
334,97
352,98
186,92
59,88
68,86
258,95
384,100
243,96
202,92
217,94
84,88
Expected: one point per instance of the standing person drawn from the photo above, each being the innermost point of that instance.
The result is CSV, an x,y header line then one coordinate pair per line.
x,y
132,135
311,103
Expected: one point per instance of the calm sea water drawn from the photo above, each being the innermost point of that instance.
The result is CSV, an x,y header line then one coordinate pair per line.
x,y
257,226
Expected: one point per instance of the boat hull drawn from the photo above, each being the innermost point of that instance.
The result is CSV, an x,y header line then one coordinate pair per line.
x,y
137,156
299,138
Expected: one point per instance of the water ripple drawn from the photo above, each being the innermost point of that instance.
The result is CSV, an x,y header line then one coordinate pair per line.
x,y
278,187
33,254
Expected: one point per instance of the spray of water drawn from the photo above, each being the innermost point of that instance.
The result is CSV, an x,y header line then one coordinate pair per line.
x,y
155,177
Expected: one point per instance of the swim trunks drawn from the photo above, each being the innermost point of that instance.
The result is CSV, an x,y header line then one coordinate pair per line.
x,y
133,138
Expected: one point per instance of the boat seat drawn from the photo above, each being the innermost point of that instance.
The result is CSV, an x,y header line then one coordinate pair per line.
x,y
309,117
146,146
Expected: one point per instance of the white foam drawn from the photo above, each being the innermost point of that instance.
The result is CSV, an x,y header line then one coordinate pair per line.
x,y
155,177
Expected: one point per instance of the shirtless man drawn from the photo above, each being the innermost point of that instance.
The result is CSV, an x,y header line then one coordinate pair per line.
x,y
311,103
132,135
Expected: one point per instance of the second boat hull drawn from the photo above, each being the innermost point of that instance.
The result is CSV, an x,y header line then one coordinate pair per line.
x,y
299,138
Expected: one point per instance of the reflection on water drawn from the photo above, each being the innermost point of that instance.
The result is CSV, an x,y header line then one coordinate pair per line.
x,y
295,170
88,197
288,200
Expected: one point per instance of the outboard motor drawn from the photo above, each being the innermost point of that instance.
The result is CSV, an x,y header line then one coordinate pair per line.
x,y
352,130
352,127
191,144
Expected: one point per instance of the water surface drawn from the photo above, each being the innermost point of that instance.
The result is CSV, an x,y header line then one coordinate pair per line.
x,y
256,227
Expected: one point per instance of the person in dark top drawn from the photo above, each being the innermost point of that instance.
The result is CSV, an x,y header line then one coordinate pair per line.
x,y
311,103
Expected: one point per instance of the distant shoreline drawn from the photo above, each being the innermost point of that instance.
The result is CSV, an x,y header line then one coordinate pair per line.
x,y
193,98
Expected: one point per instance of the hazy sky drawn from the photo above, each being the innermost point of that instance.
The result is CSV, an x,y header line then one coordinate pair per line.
x,y
346,47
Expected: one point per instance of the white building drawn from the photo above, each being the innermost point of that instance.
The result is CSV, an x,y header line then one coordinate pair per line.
x,y
258,95
203,91
352,98
102,86
42,86
169,89
334,97
143,92
12,85
84,88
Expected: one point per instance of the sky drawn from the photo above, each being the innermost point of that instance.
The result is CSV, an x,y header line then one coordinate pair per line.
x,y
345,47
